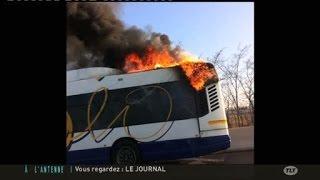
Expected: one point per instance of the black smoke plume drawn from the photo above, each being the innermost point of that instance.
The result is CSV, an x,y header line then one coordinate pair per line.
x,y
96,37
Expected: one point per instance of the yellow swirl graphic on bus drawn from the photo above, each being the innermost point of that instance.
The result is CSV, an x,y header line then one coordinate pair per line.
x,y
71,138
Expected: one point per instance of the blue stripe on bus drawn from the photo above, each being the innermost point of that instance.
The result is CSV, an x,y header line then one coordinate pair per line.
x,y
159,150
89,156
183,148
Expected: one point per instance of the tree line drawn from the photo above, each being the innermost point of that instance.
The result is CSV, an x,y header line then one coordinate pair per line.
x,y
236,75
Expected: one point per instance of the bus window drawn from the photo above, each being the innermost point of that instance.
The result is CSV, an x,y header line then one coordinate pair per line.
x,y
202,103
147,105
183,97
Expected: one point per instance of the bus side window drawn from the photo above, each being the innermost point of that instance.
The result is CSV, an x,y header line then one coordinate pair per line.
x,y
202,103
183,98
77,108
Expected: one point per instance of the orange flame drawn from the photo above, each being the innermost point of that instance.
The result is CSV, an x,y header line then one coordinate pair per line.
x,y
196,70
198,73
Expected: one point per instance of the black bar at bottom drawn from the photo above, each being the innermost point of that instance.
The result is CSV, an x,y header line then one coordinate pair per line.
x,y
159,172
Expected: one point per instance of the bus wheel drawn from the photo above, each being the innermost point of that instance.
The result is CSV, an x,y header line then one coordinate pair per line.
x,y
125,153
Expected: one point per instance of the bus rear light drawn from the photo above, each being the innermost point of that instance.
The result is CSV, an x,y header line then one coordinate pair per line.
x,y
218,123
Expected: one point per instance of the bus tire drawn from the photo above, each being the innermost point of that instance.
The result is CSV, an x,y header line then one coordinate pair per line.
x,y
125,152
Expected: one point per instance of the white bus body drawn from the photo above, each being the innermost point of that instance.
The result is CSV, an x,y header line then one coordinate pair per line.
x,y
197,124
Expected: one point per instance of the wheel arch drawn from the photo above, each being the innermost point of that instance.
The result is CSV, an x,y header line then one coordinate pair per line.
x,y
122,139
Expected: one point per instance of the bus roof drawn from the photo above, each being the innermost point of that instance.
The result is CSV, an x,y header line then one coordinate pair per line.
x,y
88,73
94,79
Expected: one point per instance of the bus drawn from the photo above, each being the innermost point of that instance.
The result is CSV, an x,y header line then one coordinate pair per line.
x,y
155,115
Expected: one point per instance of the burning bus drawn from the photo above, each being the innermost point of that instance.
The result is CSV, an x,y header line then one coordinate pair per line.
x,y
160,102
155,114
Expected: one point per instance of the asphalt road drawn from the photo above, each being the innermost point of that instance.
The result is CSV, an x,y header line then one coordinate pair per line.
x,y
238,157
241,138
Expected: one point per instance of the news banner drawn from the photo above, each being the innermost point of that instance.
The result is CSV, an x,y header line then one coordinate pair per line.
x,y
48,169
163,171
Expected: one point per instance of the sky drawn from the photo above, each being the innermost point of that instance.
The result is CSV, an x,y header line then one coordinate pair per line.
x,y
201,28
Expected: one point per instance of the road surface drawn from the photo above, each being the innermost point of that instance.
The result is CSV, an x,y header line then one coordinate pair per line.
x,y
235,157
